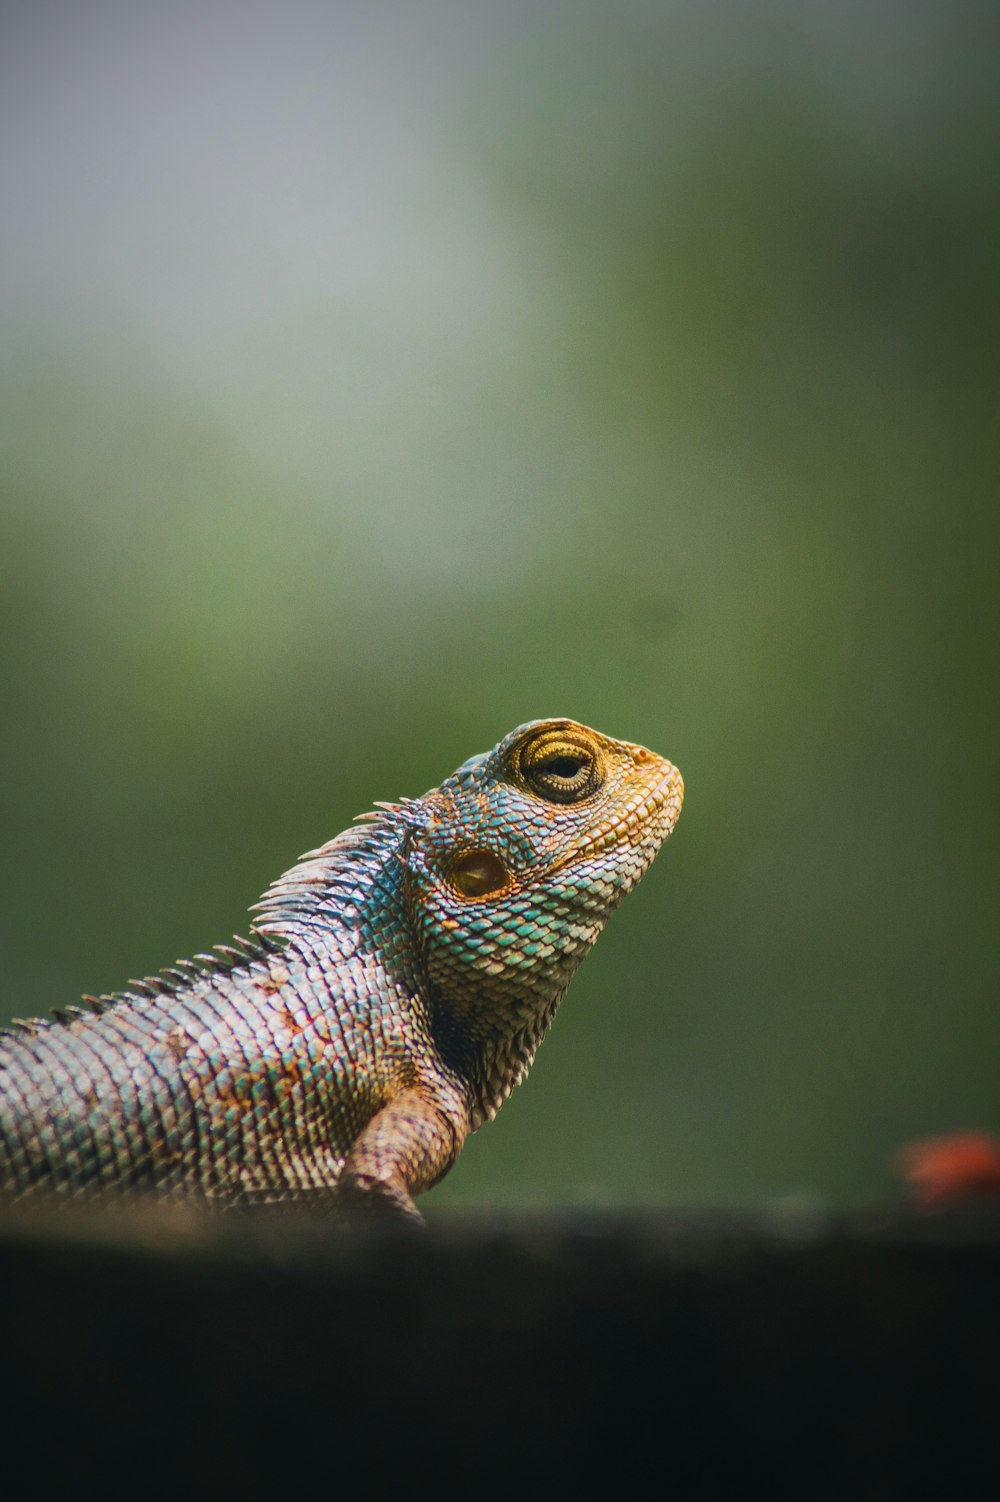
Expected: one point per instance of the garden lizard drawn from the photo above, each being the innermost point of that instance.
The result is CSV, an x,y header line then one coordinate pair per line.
x,y
394,989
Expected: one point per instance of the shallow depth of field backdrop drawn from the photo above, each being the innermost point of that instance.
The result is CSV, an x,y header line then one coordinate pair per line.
x,y
376,377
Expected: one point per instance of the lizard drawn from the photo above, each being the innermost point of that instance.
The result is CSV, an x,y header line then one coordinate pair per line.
x,y
392,993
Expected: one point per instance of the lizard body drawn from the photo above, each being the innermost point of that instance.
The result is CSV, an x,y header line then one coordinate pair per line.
x,y
394,991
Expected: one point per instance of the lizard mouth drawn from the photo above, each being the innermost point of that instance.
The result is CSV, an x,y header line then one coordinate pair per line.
x,y
643,819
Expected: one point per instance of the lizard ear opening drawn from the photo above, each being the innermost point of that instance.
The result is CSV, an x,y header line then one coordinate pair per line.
x,y
478,873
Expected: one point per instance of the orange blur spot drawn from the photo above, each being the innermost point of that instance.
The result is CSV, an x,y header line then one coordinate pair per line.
x,y
961,1165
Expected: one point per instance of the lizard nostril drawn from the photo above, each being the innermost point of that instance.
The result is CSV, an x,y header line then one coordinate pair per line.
x,y
478,873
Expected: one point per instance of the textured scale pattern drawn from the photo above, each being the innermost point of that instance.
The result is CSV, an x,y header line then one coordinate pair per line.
x,y
394,991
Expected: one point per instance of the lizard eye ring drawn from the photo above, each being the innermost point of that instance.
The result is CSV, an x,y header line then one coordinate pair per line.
x,y
560,767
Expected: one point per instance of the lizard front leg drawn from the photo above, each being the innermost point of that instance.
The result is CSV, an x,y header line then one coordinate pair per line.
x,y
405,1148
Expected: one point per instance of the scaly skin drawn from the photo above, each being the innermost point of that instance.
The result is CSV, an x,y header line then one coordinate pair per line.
x,y
397,985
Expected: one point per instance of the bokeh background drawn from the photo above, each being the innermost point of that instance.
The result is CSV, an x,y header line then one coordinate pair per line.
x,y
375,377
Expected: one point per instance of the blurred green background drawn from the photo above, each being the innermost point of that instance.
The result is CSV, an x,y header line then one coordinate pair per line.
x,y
377,377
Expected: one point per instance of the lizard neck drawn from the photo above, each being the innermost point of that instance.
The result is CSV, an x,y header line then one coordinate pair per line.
x,y
487,1031
502,1062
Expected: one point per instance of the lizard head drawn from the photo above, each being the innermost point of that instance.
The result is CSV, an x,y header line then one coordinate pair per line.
x,y
483,896
518,859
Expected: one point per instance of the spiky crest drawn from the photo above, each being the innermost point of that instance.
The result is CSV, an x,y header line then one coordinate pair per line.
x,y
223,961
332,884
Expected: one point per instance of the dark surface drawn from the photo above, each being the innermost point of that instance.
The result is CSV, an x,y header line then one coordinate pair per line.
x,y
700,1355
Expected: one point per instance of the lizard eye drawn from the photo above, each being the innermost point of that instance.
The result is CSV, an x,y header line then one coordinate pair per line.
x,y
478,873
565,767
560,769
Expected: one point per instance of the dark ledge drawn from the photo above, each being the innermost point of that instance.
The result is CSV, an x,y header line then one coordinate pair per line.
x,y
696,1355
